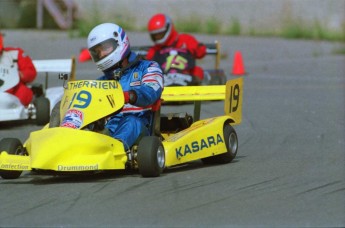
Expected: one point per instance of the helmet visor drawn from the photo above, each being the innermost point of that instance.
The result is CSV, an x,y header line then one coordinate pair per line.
x,y
103,49
159,35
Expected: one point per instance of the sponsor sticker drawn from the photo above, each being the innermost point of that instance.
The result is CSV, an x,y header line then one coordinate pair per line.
x,y
73,119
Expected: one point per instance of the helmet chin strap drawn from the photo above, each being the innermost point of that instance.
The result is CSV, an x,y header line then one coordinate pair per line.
x,y
118,74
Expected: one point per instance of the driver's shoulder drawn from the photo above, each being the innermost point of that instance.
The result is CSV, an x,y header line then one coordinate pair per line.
x,y
186,36
144,63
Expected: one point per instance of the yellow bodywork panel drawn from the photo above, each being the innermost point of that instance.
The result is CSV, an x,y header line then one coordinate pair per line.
x,y
193,93
82,98
14,162
203,139
65,149
231,93
233,99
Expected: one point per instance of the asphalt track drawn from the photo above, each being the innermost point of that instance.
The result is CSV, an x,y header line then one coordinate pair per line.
x,y
289,172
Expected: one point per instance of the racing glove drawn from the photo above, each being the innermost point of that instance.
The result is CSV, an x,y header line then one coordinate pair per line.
x,y
130,96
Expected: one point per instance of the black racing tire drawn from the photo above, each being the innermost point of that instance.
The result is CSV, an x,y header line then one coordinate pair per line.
x,y
151,156
231,142
42,105
55,116
11,146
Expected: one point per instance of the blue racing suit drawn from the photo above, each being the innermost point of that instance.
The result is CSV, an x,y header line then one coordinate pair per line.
x,y
146,79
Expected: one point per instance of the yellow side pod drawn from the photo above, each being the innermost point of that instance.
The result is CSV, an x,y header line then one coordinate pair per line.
x,y
204,138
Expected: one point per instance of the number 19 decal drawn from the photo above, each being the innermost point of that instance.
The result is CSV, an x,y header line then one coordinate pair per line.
x,y
80,100
233,99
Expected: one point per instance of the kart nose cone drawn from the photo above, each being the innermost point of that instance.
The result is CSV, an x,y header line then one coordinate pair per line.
x,y
66,149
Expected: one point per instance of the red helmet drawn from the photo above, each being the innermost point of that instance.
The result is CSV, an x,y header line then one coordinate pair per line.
x,y
161,29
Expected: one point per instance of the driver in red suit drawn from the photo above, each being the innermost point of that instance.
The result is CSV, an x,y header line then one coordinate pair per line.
x,y
15,57
163,34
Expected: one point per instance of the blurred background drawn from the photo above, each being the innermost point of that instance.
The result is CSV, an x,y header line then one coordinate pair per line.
x,y
307,19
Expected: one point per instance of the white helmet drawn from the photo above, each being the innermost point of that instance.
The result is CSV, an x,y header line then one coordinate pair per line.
x,y
111,39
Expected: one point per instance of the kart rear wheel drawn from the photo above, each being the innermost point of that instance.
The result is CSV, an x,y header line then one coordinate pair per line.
x,y
231,143
42,105
11,146
151,156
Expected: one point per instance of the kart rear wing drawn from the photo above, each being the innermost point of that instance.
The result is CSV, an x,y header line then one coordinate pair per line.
x,y
211,49
231,93
55,66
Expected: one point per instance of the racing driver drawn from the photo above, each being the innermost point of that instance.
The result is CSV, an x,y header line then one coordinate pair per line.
x,y
163,34
141,81
15,57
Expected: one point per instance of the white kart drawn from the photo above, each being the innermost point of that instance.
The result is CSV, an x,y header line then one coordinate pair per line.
x,y
44,99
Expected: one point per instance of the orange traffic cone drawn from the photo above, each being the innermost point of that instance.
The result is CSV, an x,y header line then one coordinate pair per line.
x,y
238,66
84,55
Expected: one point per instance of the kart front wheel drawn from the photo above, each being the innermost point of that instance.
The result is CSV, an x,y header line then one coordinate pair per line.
x,y
55,116
231,143
151,156
11,146
42,105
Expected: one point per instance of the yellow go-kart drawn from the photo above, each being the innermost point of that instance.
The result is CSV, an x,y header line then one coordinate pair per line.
x,y
77,144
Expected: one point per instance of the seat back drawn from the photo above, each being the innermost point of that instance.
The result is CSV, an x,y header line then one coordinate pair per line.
x,y
155,120
175,122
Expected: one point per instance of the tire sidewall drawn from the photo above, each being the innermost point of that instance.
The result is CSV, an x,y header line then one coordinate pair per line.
x,y
147,156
